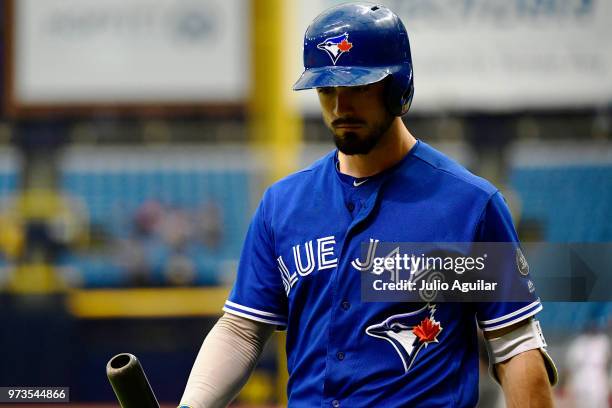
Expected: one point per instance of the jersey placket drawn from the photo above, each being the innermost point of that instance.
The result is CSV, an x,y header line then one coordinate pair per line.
x,y
339,356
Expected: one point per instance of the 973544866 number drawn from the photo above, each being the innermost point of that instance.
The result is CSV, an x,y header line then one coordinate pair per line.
x,y
34,394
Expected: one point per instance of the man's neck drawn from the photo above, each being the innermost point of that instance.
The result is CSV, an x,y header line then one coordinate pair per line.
x,y
393,147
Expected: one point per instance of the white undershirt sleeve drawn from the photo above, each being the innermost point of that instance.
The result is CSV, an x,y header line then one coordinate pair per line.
x,y
225,361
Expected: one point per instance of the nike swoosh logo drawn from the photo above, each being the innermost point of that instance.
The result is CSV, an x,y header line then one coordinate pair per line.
x,y
357,184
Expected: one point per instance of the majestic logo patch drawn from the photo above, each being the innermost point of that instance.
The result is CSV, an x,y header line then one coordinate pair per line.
x,y
521,262
408,333
336,46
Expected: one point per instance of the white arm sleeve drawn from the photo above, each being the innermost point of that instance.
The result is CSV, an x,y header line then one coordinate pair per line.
x,y
225,361
526,337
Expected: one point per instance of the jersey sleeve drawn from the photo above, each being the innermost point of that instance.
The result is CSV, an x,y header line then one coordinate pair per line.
x,y
496,226
258,293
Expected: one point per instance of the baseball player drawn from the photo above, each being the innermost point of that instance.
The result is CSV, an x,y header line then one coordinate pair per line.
x,y
300,266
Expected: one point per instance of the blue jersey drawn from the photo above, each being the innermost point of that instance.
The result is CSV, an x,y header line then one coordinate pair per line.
x,y
298,271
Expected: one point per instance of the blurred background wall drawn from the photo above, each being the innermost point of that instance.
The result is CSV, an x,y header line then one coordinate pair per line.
x,y
136,139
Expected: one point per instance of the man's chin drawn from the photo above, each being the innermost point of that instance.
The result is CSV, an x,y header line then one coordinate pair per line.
x,y
348,152
361,140
353,148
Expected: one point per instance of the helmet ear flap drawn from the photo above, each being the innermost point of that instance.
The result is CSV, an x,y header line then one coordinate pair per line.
x,y
398,96
407,100
390,97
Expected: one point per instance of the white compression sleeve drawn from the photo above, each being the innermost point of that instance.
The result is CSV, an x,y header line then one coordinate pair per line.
x,y
225,361
526,337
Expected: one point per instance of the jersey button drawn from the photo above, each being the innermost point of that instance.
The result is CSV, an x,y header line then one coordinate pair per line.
x,y
335,403
345,305
350,206
340,355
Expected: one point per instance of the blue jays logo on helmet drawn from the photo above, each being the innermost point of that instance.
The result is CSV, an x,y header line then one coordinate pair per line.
x,y
336,46
408,333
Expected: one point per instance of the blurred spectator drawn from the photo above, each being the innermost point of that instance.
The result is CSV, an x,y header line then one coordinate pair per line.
x,y
147,218
166,244
38,225
175,228
588,363
208,226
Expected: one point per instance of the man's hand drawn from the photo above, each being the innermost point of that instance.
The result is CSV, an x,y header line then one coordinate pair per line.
x,y
523,377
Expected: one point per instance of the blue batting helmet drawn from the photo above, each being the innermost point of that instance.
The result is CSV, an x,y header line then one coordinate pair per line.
x,y
358,44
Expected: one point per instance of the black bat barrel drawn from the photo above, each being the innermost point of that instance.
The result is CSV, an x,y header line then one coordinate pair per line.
x,y
129,382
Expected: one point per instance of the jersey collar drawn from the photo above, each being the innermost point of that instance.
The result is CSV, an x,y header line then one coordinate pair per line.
x,y
357,182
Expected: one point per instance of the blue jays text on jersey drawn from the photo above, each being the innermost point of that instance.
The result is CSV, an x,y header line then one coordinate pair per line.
x,y
299,271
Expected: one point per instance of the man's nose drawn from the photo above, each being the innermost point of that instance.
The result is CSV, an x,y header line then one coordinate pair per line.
x,y
343,101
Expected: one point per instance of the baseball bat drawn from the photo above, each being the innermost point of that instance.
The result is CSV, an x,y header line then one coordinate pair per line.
x,y
129,382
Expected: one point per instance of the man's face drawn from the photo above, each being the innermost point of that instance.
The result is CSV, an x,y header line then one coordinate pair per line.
x,y
356,116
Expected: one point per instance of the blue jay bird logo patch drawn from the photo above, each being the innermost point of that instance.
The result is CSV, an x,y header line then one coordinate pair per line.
x,y
408,333
336,46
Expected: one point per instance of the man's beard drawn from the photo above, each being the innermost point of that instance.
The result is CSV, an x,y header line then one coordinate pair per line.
x,y
351,143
